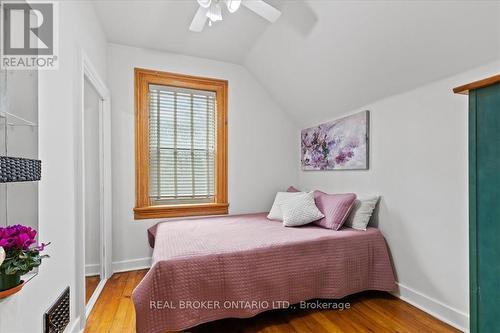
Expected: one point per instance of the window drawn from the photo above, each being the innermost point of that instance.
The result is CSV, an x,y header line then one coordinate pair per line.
x,y
181,145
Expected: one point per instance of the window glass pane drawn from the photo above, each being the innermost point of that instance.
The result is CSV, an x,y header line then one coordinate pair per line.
x,y
181,145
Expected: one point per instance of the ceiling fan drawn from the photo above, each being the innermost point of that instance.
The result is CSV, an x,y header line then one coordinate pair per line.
x,y
211,10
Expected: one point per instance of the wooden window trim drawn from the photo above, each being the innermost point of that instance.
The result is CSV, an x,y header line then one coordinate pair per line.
x,y
143,208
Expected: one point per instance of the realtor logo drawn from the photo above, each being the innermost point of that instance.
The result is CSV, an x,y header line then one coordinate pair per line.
x,y
29,35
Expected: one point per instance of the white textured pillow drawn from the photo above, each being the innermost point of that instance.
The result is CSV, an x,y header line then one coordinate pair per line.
x,y
275,213
300,210
361,212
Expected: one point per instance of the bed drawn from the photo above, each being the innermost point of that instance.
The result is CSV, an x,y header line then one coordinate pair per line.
x,y
205,269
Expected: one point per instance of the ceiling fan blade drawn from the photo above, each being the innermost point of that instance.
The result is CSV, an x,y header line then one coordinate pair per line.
x,y
199,20
263,9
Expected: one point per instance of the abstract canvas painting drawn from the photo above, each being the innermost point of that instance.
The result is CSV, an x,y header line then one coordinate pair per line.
x,y
341,144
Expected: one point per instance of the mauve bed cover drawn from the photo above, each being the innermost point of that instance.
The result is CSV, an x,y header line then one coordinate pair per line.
x,y
205,269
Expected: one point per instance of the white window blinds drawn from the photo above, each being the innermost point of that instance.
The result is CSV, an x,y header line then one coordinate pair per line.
x,y
181,145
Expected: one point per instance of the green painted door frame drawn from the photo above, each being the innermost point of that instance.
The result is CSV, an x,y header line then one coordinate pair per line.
x,y
484,208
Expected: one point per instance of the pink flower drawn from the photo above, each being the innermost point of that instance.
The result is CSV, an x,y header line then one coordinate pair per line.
x,y
18,237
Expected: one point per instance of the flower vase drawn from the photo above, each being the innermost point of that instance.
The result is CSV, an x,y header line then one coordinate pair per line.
x,y
9,281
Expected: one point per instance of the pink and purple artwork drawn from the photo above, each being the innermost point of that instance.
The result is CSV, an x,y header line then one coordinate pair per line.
x,y
341,144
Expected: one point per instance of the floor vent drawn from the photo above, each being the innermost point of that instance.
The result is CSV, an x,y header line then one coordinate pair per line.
x,y
57,317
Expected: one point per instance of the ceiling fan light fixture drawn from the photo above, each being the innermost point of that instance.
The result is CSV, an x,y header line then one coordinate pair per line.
x,y
214,13
232,5
211,11
204,3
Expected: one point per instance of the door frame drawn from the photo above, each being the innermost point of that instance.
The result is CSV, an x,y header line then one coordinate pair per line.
x,y
86,70
473,242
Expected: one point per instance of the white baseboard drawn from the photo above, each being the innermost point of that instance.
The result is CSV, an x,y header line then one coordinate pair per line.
x,y
75,327
131,265
435,308
92,269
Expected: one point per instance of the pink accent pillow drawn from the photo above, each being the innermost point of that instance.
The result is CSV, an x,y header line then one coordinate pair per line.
x,y
335,207
292,189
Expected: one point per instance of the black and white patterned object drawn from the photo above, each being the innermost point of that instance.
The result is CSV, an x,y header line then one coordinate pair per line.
x,y
56,319
17,169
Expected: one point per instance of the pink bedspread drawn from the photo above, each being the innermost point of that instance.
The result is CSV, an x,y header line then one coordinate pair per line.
x,y
238,266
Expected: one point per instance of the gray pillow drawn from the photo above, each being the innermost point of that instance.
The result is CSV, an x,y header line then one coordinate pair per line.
x,y
361,212
275,213
300,210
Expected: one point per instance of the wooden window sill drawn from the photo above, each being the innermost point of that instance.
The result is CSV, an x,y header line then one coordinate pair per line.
x,y
155,212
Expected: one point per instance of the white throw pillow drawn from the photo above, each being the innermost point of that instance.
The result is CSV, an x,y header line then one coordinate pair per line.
x,y
300,210
275,213
361,212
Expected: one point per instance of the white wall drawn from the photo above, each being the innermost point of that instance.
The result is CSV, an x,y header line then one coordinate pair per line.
x,y
58,100
262,150
419,161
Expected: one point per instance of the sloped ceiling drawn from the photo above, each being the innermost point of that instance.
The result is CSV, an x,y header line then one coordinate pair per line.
x,y
323,58
164,25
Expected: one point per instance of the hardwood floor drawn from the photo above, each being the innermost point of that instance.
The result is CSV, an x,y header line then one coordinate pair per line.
x,y
91,283
368,312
